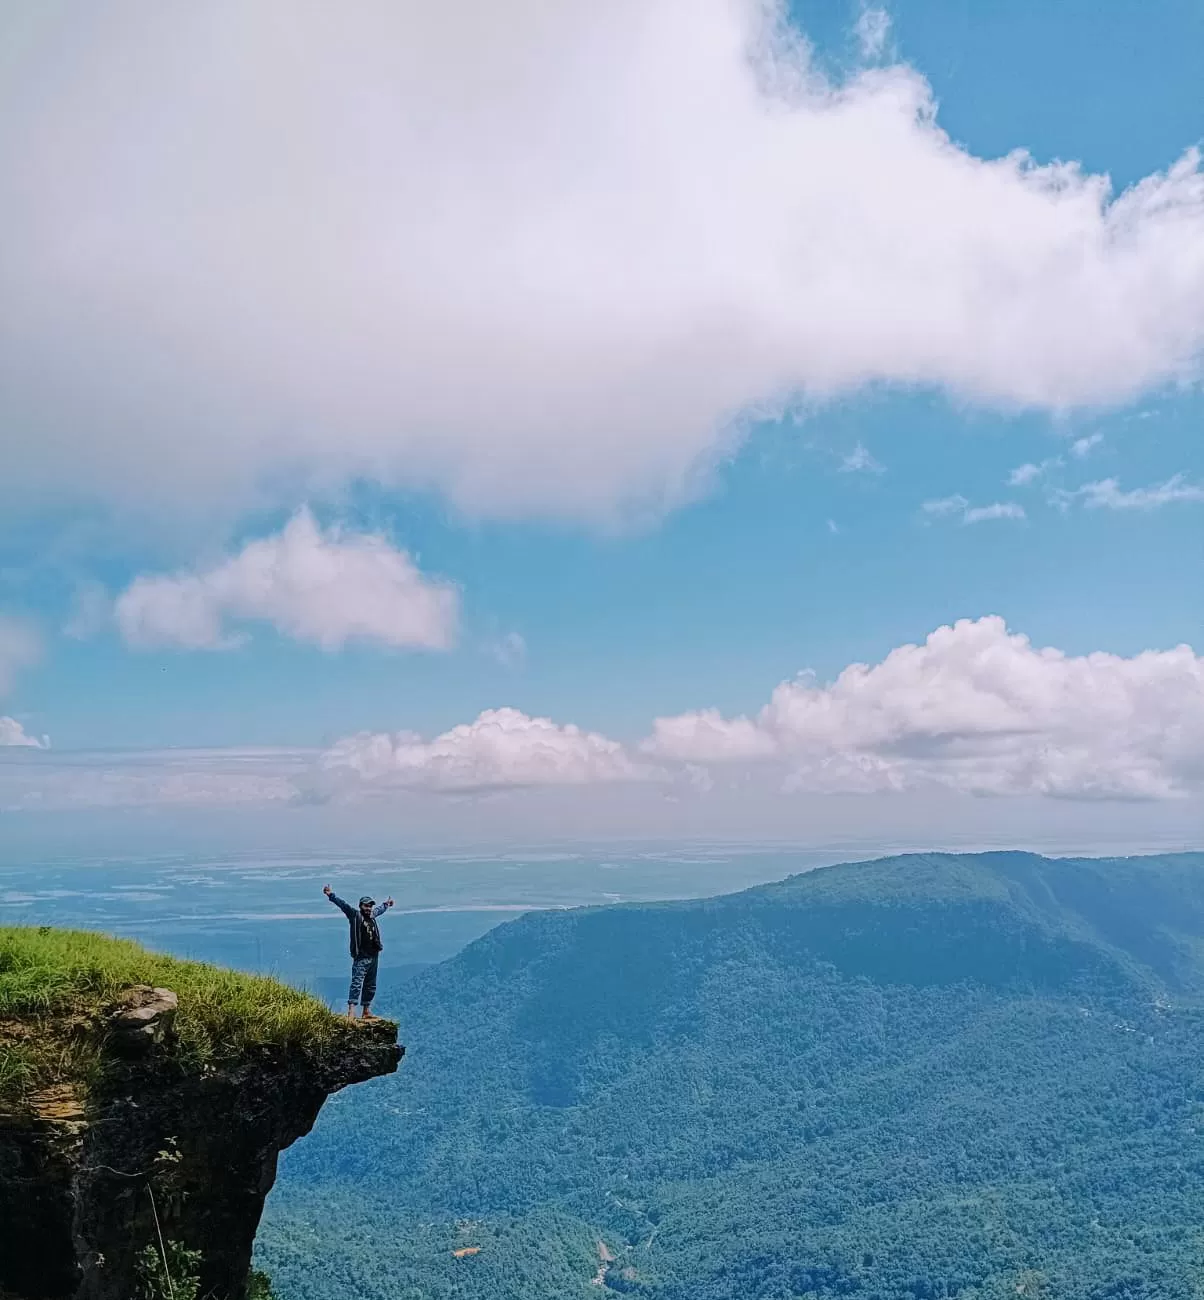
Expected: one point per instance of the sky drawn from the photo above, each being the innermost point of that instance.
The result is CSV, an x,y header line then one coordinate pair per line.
x,y
692,418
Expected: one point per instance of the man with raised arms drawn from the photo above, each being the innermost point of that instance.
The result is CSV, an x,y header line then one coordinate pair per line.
x,y
365,949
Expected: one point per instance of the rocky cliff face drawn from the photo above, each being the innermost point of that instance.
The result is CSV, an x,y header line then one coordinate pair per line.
x,y
101,1181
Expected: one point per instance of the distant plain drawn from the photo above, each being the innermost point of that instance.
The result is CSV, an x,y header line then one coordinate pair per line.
x,y
266,914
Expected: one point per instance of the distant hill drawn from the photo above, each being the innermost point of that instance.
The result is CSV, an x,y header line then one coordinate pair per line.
x,y
925,1076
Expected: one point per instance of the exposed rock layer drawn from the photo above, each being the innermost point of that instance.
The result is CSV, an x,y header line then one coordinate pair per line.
x,y
84,1172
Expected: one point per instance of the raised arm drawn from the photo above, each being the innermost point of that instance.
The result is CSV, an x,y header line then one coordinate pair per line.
x,y
345,908
381,908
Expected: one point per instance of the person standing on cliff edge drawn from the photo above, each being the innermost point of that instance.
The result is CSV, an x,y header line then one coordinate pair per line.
x,y
365,949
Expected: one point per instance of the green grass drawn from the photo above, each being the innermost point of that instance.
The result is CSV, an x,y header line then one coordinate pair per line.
x,y
55,986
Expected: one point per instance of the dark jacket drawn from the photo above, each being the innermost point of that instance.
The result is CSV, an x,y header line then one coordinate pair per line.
x,y
365,934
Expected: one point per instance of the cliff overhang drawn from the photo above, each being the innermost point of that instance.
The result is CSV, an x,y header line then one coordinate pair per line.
x,y
129,1152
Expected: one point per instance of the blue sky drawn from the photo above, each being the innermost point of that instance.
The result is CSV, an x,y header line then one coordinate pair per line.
x,y
800,532
713,605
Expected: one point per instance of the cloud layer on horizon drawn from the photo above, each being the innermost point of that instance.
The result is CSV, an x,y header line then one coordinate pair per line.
x,y
542,258
35,781
974,710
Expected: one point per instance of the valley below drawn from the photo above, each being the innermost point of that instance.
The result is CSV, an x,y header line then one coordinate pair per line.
x,y
935,1075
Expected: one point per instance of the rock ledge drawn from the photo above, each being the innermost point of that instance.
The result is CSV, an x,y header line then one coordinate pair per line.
x,y
80,1167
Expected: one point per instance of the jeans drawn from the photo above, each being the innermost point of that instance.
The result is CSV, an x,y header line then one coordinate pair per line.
x,y
363,979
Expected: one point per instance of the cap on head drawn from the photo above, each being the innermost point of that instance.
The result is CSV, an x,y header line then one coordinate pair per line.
x,y
366,901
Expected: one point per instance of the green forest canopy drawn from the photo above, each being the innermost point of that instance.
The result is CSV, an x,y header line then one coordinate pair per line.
x,y
926,1076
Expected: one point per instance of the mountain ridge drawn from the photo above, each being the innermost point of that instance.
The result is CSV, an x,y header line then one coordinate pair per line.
x,y
902,1078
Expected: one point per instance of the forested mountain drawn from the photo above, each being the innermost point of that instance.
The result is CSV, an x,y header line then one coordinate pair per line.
x,y
923,1076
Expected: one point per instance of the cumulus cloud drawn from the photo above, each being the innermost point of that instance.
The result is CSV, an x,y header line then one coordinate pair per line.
x,y
706,736
326,587
20,646
502,748
541,257
1107,494
958,505
14,735
976,709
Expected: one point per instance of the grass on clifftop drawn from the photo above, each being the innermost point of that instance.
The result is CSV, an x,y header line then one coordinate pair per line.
x,y
55,983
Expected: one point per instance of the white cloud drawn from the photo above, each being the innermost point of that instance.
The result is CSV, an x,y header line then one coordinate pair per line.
x,y
958,505
231,803
14,735
975,709
997,510
1028,473
859,460
1084,446
1025,474
1107,494
326,587
501,748
20,646
872,29
541,257
706,736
